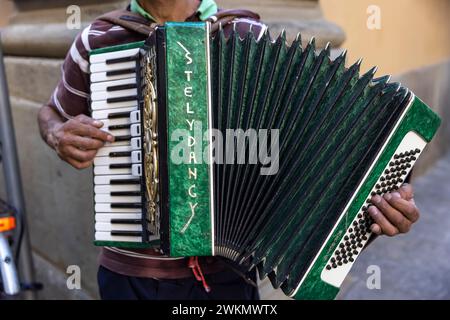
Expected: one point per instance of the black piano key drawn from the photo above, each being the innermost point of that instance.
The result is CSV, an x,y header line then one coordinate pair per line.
x,y
121,87
120,72
125,193
116,115
126,221
126,233
125,181
122,138
121,99
119,126
119,154
120,165
126,205
122,59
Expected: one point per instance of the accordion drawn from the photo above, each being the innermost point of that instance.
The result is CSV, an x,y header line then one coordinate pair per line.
x,y
251,149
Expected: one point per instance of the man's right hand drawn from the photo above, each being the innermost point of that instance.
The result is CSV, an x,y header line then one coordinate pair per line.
x,y
77,141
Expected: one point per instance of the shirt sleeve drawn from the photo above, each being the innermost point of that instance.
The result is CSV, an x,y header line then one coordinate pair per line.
x,y
71,95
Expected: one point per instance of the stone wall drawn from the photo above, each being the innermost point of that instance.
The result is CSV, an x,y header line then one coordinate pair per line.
x,y
432,85
59,198
411,34
5,12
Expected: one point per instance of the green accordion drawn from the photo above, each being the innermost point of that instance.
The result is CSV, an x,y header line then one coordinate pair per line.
x,y
251,149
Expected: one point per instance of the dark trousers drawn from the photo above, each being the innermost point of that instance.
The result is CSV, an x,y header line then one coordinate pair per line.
x,y
225,285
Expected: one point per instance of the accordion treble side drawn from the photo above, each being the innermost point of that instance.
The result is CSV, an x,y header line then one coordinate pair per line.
x,y
317,139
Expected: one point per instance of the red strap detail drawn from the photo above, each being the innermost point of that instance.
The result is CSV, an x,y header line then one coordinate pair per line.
x,y
197,271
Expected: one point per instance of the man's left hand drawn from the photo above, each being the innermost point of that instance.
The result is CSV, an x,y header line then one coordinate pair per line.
x,y
395,212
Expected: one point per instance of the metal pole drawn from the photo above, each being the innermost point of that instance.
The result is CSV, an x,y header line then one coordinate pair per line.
x,y
13,182
11,284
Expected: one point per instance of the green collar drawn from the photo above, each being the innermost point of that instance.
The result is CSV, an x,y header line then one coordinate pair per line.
x,y
206,9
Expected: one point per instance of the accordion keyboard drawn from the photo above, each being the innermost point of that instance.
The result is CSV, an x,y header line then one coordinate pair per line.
x,y
118,165
357,235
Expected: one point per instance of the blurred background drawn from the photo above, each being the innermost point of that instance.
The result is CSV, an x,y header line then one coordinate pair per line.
x,y
409,39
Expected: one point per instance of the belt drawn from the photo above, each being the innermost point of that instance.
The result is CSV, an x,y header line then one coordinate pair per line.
x,y
151,264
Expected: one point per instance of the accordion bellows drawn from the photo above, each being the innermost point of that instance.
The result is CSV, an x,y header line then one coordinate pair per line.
x,y
342,137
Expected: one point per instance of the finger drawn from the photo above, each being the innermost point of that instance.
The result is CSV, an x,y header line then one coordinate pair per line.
x,y
386,227
90,131
395,217
85,143
376,229
406,191
78,164
80,155
89,121
407,208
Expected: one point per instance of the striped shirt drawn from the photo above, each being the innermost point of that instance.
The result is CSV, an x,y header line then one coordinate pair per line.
x,y
71,98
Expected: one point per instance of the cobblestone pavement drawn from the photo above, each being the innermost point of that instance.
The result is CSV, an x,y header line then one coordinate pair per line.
x,y
416,265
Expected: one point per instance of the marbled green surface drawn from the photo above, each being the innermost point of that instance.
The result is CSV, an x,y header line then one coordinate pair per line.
x,y
119,47
420,119
196,240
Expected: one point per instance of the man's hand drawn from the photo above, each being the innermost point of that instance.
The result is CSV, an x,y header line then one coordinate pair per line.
x,y
77,141
395,212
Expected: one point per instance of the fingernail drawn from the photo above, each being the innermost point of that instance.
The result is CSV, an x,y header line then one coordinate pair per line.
x,y
375,228
376,199
110,138
396,195
372,211
388,196
98,123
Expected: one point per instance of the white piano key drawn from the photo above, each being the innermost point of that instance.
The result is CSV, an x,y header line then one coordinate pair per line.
x,y
105,151
135,130
136,157
106,198
115,122
106,207
103,104
104,67
117,143
103,86
103,114
103,76
102,57
107,226
136,143
102,95
106,170
135,116
118,132
136,170
106,161
106,236
106,189
101,180
107,217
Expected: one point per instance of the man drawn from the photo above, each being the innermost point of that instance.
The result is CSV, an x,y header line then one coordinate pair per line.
x,y
67,128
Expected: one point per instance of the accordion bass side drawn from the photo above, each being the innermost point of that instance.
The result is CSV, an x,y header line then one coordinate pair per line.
x,y
294,204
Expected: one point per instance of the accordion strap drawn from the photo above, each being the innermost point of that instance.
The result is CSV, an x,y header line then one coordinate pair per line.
x,y
224,17
129,20
135,22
